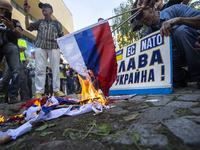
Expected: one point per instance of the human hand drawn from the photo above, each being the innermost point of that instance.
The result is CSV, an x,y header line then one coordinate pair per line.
x,y
26,6
146,3
197,45
166,28
8,23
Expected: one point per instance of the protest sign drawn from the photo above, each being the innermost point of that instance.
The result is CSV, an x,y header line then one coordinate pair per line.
x,y
144,67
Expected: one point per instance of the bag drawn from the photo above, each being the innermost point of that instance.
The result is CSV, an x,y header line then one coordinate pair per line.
x,y
31,73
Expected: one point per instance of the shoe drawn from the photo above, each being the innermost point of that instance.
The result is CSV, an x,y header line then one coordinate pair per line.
x,y
13,100
2,99
38,95
59,94
181,83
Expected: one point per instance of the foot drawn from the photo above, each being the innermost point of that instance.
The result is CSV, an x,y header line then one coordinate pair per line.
x,y
59,94
181,83
13,100
38,95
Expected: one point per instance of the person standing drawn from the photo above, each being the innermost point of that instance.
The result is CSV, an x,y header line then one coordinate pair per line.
x,y
24,90
63,77
9,48
46,47
31,74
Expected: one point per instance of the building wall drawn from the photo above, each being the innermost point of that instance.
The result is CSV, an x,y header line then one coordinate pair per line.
x,y
61,13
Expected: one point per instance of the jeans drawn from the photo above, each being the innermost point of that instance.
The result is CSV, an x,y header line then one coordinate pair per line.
x,y
24,89
11,52
184,53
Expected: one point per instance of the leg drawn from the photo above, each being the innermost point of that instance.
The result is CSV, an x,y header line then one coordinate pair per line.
x,y
54,56
184,39
11,52
24,89
40,69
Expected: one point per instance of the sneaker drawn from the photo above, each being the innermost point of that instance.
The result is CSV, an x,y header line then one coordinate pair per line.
x,y
38,95
13,100
181,83
59,94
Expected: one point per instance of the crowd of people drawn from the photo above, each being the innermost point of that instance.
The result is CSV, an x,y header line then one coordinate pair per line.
x,y
26,77
34,79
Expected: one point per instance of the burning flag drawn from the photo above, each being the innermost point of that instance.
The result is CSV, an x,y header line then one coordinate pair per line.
x,y
92,48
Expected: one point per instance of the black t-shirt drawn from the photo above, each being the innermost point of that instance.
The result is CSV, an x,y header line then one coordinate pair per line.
x,y
10,34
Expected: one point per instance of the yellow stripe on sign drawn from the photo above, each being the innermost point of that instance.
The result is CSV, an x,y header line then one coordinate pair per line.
x,y
119,57
119,54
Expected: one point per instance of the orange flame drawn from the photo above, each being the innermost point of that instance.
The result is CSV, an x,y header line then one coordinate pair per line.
x,y
37,103
89,93
1,118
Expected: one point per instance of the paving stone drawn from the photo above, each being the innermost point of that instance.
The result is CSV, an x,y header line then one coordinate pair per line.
x,y
148,136
179,104
162,100
124,139
92,145
117,110
195,110
156,114
189,97
185,129
138,98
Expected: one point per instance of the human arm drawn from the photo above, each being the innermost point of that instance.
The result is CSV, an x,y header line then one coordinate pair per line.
x,y
186,2
16,30
193,22
26,9
22,49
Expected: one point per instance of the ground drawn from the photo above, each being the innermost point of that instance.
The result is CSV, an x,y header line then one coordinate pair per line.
x,y
170,122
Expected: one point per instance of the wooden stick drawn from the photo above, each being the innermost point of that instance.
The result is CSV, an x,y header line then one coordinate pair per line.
x,y
124,13
126,20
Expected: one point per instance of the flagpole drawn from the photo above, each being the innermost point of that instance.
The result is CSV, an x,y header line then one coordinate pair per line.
x,y
126,20
124,13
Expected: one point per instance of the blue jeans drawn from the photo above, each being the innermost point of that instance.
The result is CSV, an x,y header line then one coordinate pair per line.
x,y
11,52
184,53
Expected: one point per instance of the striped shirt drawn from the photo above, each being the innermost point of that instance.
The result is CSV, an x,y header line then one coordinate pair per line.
x,y
48,32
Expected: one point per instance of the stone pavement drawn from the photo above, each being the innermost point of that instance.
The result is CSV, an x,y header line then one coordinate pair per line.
x,y
167,122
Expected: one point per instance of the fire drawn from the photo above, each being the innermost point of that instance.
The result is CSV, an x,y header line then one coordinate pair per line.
x,y
89,93
1,118
37,103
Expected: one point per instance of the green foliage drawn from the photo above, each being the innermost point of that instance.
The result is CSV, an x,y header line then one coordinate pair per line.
x,y
105,128
45,133
46,125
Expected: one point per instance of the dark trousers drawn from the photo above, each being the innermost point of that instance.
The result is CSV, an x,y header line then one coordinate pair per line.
x,y
24,89
11,51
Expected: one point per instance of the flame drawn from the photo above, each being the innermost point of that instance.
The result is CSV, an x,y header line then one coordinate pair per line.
x,y
37,103
89,93
1,119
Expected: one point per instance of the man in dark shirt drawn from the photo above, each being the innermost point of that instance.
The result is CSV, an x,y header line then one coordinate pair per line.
x,y
46,47
181,22
10,50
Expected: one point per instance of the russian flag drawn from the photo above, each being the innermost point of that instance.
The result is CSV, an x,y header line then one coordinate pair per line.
x,y
92,48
